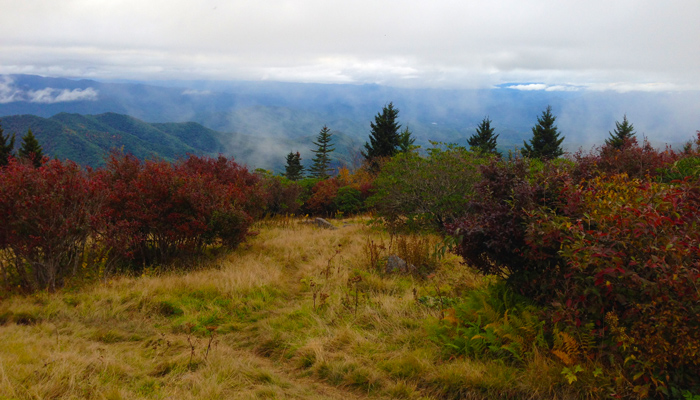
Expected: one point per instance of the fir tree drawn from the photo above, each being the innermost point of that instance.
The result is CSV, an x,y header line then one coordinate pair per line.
x,y
545,143
406,140
322,161
7,143
31,149
384,139
484,141
294,170
623,132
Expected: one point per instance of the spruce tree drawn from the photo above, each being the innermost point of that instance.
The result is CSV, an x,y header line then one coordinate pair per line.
x,y
384,139
31,149
7,143
623,132
294,170
406,140
545,143
322,161
483,141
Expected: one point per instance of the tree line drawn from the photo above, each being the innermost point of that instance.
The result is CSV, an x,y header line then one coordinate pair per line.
x,y
386,140
29,149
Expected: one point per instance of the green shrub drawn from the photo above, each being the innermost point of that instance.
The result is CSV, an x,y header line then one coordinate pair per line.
x,y
349,200
428,192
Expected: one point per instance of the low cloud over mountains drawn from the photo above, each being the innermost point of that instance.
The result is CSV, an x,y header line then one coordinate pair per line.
x,y
10,93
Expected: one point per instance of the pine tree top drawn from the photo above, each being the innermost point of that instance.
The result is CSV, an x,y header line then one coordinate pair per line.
x,y
294,170
321,161
384,138
484,141
323,141
545,143
623,132
31,149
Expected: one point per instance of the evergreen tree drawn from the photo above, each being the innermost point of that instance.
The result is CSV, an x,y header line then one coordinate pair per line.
x,y
322,161
623,132
484,141
384,139
7,143
545,143
405,140
31,149
294,170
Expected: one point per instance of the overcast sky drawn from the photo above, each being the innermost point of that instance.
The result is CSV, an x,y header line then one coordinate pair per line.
x,y
538,44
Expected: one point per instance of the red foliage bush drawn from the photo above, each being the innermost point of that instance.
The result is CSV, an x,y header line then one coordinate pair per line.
x,y
632,159
281,195
47,217
618,254
243,188
632,258
322,200
155,210
492,235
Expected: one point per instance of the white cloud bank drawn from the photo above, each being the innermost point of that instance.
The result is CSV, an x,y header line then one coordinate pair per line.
x,y
594,44
9,93
50,95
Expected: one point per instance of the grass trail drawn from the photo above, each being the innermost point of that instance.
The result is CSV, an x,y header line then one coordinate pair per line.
x,y
294,313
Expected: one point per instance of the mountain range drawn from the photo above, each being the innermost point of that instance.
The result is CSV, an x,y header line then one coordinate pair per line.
x,y
258,123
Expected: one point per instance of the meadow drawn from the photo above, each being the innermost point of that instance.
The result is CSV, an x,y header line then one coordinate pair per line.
x,y
296,312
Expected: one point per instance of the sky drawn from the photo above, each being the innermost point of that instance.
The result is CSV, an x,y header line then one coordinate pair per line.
x,y
622,45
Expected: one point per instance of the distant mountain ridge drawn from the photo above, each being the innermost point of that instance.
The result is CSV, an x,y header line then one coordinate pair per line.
x,y
88,139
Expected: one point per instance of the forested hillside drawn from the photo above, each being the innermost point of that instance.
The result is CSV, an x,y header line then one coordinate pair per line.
x,y
88,139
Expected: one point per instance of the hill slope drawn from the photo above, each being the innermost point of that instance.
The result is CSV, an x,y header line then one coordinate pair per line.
x,y
88,139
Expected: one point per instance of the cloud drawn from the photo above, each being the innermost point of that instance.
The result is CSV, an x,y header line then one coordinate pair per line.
x,y
9,94
410,43
545,87
530,86
50,95
563,88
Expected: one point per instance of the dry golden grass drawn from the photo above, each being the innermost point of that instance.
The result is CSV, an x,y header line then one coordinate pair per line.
x,y
296,312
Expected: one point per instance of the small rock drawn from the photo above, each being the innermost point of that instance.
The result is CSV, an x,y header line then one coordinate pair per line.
x,y
322,223
395,263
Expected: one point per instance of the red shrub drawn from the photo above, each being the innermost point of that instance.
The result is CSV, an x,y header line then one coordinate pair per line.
x,y
243,188
632,259
281,195
492,234
46,216
632,159
156,210
322,198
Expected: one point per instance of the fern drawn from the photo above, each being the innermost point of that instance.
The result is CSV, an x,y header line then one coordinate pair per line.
x,y
495,323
